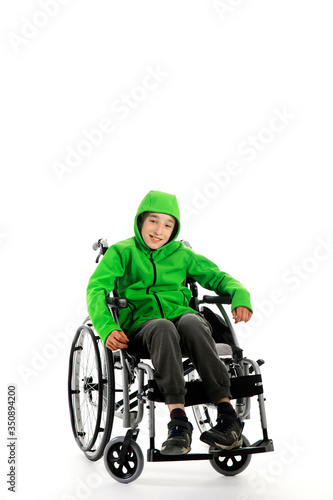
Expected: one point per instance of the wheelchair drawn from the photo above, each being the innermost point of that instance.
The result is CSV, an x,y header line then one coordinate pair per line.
x,y
106,387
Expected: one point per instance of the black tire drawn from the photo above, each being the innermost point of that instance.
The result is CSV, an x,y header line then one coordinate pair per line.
x,y
90,391
123,470
232,465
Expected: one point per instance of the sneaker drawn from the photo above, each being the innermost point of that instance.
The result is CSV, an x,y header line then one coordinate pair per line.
x,y
179,438
227,434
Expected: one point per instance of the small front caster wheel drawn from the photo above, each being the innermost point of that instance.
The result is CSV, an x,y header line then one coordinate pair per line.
x,y
231,465
123,469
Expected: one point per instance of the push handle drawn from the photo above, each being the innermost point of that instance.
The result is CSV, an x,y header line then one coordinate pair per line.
x,y
102,245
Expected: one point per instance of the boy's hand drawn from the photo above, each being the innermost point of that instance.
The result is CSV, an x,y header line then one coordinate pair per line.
x,y
241,314
116,340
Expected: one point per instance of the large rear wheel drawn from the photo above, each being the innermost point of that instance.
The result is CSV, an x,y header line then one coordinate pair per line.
x,y
90,391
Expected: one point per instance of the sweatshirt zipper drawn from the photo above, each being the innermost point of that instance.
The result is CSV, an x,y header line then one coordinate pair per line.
x,y
157,299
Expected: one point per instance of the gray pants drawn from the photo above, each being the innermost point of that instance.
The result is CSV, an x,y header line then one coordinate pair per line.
x,y
168,341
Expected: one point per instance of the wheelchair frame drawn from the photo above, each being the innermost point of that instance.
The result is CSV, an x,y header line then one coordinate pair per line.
x,y
96,391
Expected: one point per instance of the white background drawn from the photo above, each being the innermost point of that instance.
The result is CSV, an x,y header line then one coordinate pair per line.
x,y
226,70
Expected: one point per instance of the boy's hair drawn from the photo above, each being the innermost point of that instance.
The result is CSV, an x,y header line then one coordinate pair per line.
x,y
142,217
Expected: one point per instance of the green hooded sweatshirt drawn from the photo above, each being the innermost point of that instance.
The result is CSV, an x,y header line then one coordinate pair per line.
x,y
152,280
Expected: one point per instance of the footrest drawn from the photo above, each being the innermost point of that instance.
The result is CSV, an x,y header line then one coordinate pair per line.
x,y
156,456
261,446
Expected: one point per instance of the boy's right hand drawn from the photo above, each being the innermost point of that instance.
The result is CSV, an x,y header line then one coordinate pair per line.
x,y
116,340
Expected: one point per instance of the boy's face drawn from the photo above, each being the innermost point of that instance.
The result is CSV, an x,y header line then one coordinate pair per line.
x,y
156,229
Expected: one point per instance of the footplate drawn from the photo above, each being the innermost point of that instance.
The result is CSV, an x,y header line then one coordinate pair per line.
x,y
261,446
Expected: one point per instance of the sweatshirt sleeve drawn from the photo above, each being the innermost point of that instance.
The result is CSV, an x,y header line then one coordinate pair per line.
x,y
209,276
100,285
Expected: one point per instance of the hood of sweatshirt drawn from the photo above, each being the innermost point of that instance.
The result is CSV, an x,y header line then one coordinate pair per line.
x,y
157,201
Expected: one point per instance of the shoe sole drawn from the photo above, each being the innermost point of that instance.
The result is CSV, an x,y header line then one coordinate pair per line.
x,y
210,440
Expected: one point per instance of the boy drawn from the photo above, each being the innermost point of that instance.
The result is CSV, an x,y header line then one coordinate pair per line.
x,y
149,270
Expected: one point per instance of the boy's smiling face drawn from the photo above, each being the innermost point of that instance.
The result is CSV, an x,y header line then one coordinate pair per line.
x,y
157,229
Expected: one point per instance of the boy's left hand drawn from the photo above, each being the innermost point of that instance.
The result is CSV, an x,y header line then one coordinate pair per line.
x,y
241,314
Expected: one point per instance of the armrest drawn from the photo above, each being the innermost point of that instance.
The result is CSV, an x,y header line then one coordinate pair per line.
x,y
118,302
224,298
